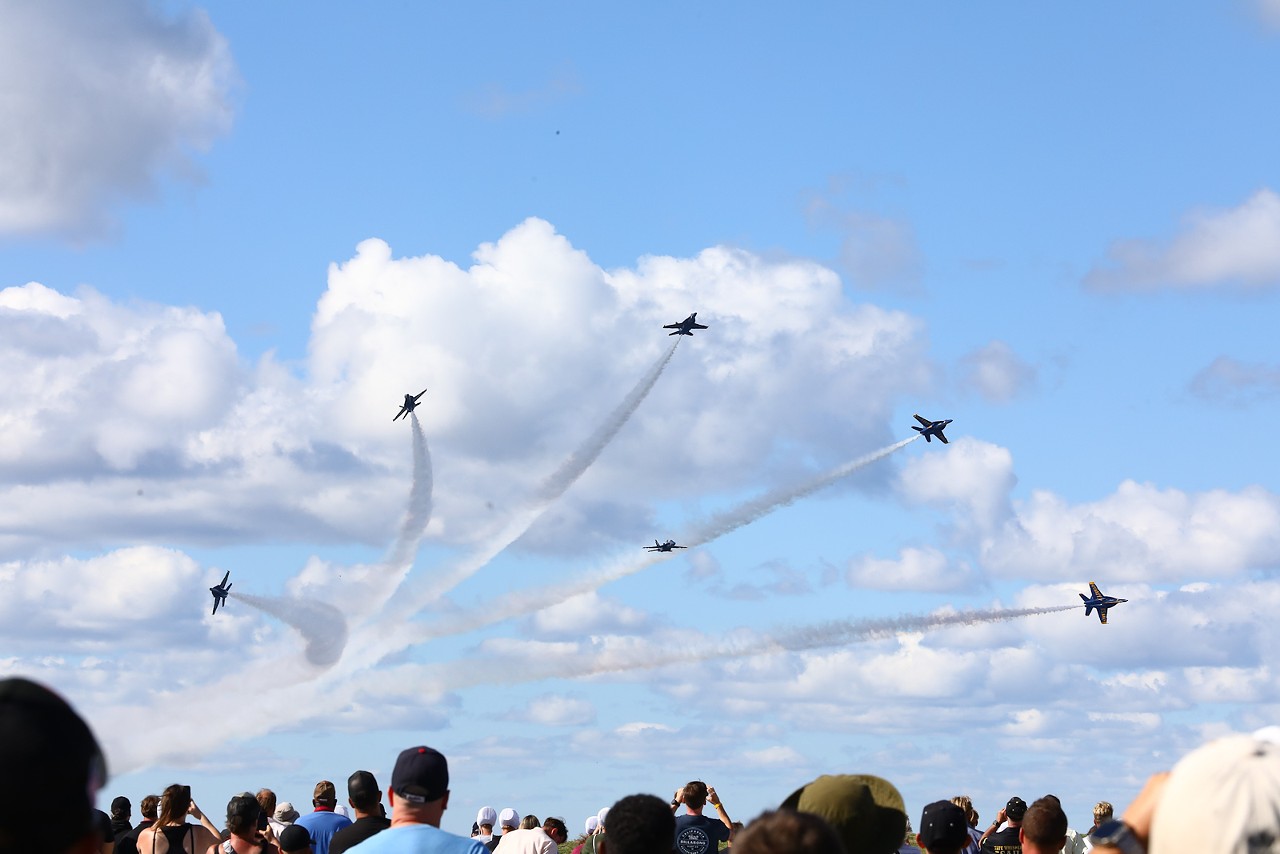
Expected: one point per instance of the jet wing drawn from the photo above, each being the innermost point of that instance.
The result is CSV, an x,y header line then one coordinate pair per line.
x,y
224,579
402,411
925,421
1102,616
671,326
1093,588
696,326
942,438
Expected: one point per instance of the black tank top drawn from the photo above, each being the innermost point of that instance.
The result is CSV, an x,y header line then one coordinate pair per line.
x,y
176,835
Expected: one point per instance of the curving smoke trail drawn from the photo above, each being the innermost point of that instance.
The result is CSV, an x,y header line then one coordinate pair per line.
x,y
321,624
383,581
529,601
430,589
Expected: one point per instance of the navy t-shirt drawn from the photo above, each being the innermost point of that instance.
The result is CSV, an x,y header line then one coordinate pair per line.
x,y
697,834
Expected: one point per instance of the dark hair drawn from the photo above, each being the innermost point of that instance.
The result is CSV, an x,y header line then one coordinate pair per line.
x,y
267,800
787,830
1045,823
695,794
175,800
640,824
553,823
243,811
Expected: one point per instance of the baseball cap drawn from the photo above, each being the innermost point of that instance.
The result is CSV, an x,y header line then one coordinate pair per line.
x,y
421,775
285,812
509,818
943,825
295,837
1231,784
43,735
1015,809
865,811
325,792
487,815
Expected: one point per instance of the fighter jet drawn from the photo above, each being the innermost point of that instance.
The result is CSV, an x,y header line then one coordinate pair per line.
x,y
1097,600
931,429
410,403
220,592
686,326
663,547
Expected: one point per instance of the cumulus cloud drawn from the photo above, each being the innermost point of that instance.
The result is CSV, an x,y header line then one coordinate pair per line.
x,y
995,372
146,90
971,476
1140,532
556,710
914,569
1239,247
145,420
1234,383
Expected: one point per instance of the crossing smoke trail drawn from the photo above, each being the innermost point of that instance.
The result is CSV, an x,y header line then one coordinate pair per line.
x,y
529,601
322,625
430,589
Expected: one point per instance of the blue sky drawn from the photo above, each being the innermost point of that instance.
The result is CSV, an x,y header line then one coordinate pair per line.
x,y
233,236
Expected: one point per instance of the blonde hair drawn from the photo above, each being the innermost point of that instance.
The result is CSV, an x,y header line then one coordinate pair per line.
x,y
1102,811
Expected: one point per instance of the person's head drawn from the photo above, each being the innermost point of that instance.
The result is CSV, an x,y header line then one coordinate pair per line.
x,y
148,806
242,815
267,800
363,792
600,817
121,809
325,795
787,831
695,794
1044,827
59,760
556,829
1222,797
866,812
1102,811
639,824
965,803
1015,810
529,822
509,819
175,800
286,813
419,786
487,817
295,839
944,828
591,824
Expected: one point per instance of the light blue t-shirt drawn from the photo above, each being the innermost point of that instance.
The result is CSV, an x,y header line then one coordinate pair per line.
x,y
322,825
418,839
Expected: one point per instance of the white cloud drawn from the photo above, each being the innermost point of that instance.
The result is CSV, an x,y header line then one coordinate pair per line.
x,y
1235,383
588,614
969,475
1269,11
144,91
1140,532
557,710
996,372
139,421
1238,247
913,569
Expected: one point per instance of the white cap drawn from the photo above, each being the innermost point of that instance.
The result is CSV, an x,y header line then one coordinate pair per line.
x,y
1221,798
604,811
509,818
592,823
487,816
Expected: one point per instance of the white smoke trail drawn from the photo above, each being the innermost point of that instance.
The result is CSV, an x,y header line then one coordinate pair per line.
x,y
452,676
429,589
528,601
322,625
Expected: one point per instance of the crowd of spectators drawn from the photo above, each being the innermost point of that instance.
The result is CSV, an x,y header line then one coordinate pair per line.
x,y
1223,798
